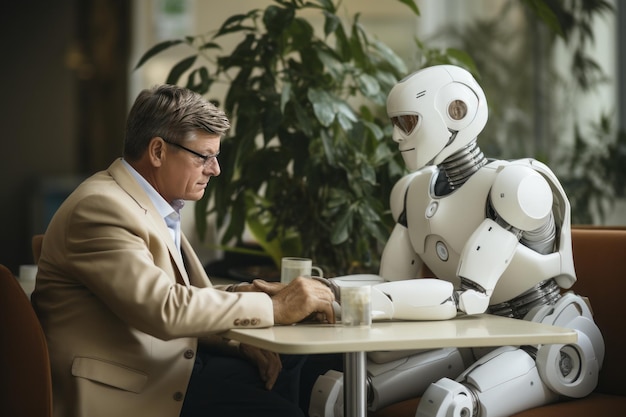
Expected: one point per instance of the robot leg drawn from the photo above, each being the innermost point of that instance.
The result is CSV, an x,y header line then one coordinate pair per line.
x,y
388,382
571,370
501,383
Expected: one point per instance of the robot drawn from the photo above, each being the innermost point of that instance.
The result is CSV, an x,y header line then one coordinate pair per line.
x,y
496,236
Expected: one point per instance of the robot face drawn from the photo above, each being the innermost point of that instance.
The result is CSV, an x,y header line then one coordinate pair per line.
x,y
435,112
418,130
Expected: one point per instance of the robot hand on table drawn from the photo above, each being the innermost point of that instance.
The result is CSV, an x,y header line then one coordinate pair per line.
x,y
496,236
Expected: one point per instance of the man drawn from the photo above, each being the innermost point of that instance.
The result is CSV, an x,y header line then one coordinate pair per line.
x,y
131,319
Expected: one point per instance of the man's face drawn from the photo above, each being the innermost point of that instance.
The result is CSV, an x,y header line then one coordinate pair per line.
x,y
185,172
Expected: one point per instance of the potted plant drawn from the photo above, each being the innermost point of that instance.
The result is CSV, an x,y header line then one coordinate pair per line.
x,y
308,165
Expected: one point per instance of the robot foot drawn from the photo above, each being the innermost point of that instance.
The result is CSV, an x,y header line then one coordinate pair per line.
x,y
447,398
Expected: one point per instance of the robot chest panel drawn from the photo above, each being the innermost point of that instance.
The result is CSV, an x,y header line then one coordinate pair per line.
x,y
439,226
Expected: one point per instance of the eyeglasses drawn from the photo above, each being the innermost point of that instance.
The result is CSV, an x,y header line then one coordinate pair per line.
x,y
206,159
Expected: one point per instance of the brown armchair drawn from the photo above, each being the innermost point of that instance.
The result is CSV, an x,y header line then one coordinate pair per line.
x,y
24,362
600,262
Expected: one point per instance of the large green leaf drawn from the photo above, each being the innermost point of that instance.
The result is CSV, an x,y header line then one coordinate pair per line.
x,y
155,50
342,228
179,69
236,23
199,80
260,226
323,106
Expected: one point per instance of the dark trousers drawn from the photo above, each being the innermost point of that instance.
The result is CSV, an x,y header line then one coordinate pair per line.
x,y
229,386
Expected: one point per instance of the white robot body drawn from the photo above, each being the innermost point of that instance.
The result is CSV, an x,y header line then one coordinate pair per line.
x,y
499,233
442,227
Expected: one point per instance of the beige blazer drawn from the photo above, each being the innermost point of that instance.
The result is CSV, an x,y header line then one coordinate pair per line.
x,y
121,309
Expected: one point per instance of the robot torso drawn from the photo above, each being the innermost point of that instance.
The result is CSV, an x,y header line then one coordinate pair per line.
x,y
440,225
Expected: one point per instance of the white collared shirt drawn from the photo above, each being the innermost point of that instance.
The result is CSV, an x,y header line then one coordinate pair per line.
x,y
169,212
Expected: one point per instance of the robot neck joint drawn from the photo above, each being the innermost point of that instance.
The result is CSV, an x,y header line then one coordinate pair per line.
x,y
461,165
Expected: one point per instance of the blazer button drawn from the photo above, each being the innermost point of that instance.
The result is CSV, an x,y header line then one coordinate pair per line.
x,y
189,354
178,396
236,322
254,322
245,322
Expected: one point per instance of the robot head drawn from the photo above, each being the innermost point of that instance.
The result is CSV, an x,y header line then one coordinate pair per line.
x,y
435,112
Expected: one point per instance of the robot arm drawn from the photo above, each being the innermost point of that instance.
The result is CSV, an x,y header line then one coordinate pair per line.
x,y
399,261
522,201
410,299
416,299
484,258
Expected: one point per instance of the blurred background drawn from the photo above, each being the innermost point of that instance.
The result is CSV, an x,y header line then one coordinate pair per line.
x,y
69,79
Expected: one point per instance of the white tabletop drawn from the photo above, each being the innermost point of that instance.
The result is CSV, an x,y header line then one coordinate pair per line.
x,y
463,331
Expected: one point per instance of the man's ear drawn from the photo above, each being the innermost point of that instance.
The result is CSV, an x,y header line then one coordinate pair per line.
x,y
156,151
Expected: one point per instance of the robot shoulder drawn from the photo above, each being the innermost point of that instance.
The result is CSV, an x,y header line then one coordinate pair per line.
x,y
521,196
539,167
561,206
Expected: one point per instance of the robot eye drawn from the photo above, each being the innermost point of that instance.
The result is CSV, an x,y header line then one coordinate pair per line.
x,y
406,122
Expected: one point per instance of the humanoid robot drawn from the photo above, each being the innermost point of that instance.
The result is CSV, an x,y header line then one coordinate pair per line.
x,y
496,236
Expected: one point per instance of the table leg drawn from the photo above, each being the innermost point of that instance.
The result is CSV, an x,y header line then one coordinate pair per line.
x,y
354,384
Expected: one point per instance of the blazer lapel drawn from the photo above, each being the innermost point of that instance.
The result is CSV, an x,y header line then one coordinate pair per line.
x,y
120,174
197,274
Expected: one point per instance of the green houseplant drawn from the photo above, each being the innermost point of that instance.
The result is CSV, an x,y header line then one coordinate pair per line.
x,y
308,165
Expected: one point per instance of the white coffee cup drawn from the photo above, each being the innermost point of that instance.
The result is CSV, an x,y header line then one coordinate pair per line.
x,y
356,305
292,267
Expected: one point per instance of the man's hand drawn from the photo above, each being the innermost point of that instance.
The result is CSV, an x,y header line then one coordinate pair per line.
x,y
268,363
300,299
